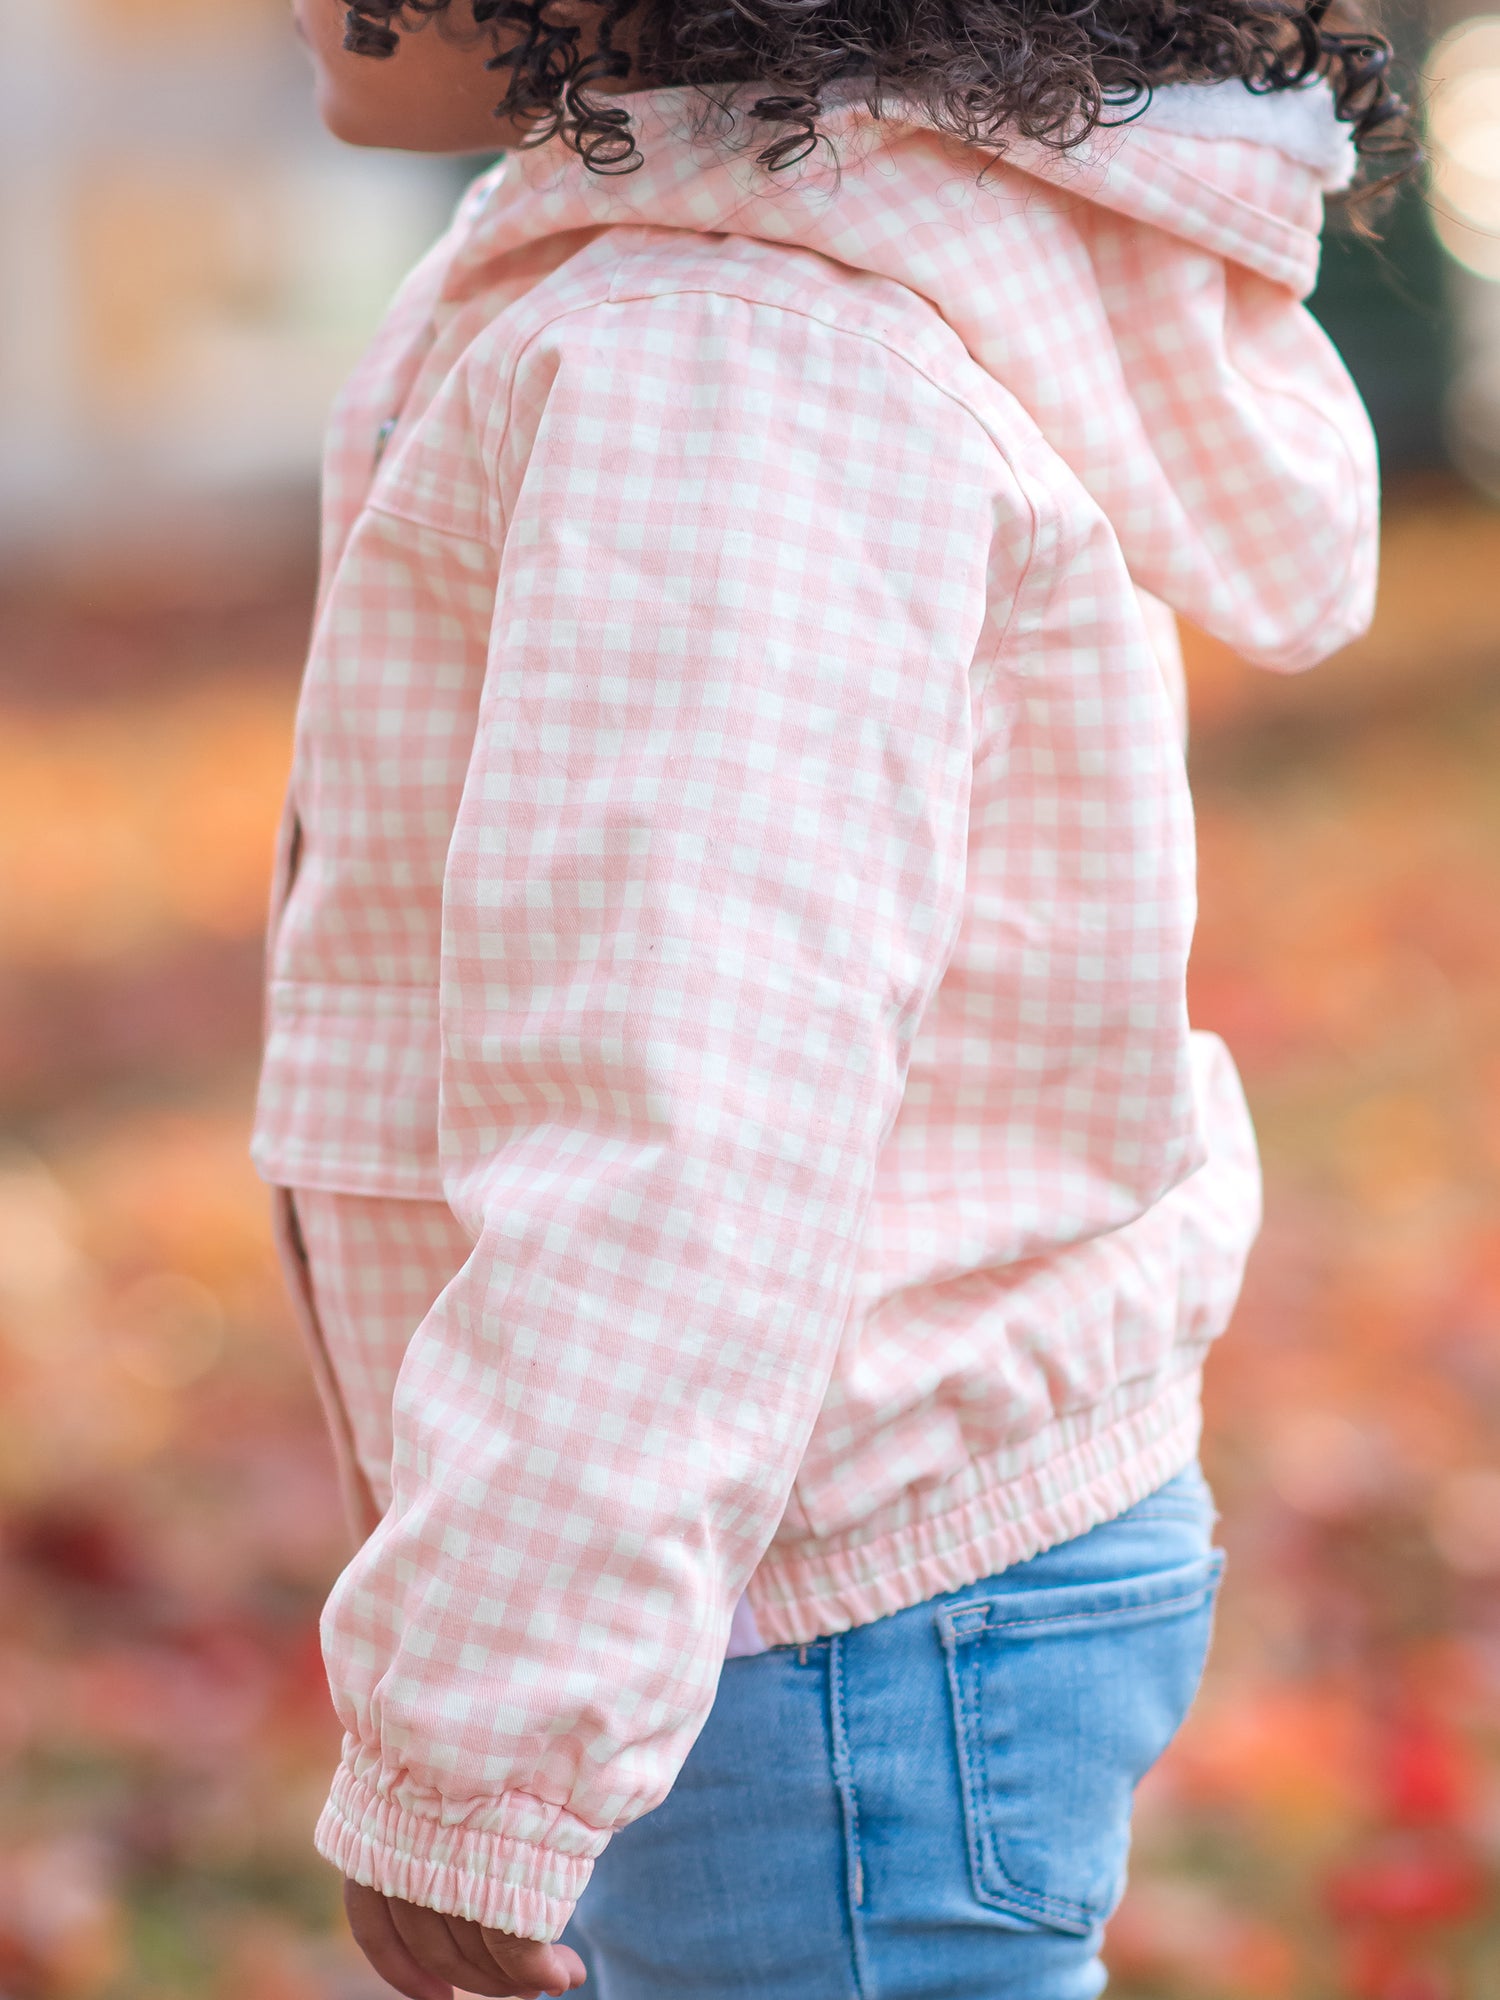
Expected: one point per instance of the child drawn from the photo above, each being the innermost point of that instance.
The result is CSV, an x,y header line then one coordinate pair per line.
x,y
742,1155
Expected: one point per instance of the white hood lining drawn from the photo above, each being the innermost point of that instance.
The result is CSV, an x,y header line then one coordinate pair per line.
x,y
1299,123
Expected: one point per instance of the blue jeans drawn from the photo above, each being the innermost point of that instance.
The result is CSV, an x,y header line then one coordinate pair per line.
x,y
935,1806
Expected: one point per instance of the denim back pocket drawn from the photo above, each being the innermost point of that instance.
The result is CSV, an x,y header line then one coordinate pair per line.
x,y
1063,1698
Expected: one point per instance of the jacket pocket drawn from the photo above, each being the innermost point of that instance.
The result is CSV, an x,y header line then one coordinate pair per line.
x,y
349,1090
1062,1700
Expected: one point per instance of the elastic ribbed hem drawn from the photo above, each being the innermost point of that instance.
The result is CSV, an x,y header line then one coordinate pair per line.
x,y
802,1593
492,1878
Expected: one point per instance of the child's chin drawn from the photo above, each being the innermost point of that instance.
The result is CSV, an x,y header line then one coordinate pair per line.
x,y
352,120
358,122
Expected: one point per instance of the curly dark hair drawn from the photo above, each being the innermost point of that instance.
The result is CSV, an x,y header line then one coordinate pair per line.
x,y
983,70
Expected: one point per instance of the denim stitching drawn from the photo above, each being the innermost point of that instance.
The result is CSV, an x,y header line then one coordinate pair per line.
x,y
973,1732
1163,1510
1023,1902
843,1775
998,1622
984,1857
1152,1605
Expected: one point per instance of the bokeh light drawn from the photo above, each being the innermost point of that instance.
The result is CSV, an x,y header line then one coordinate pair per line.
x,y
1463,126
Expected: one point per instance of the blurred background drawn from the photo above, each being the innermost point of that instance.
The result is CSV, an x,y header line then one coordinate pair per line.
x,y
186,267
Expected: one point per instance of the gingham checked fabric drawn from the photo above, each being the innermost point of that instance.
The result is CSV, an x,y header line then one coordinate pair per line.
x,y
727,1025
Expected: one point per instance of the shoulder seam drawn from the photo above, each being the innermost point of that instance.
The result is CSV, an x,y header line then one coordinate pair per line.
x,y
1039,509
1025,583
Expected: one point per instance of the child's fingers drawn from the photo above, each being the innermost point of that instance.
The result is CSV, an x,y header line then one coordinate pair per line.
x,y
534,1968
429,1936
482,1962
374,1931
482,1973
426,1955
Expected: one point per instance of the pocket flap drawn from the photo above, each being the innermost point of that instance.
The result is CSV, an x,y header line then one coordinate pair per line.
x,y
348,1099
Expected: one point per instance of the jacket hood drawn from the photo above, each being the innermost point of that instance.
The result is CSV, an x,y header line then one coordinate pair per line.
x,y
1139,295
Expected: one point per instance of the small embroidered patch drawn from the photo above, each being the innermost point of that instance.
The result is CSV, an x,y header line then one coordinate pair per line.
x,y
383,438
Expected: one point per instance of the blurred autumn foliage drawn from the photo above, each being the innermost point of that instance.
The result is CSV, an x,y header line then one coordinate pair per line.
x,y
1328,1825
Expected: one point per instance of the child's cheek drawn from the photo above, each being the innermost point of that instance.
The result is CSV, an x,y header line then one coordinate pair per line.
x,y
344,80
346,84
320,23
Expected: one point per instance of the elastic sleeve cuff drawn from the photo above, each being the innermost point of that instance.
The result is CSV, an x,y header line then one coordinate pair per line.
x,y
459,1857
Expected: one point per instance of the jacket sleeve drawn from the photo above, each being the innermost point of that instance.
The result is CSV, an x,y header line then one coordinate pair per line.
x,y
707,870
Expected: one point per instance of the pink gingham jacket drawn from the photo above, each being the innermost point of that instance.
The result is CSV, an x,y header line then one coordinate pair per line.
x,y
740,860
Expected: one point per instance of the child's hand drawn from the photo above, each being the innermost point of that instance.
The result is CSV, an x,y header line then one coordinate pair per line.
x,y
425,1954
